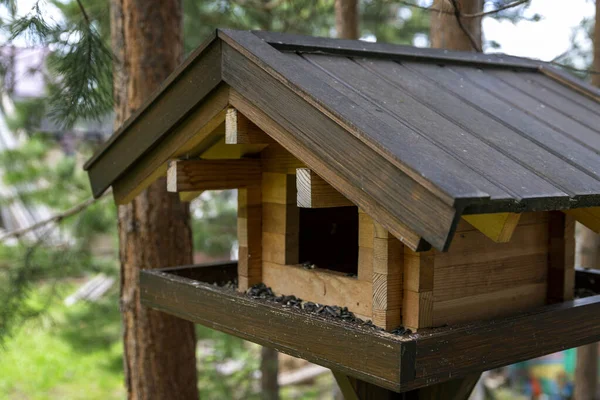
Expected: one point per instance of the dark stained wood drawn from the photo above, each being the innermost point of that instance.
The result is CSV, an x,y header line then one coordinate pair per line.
x,y
379,183
560,104
396,363
309,44
557,88
181,92
360,352
534,108
569,80
459,140
464,111
474,347
478,147
365,126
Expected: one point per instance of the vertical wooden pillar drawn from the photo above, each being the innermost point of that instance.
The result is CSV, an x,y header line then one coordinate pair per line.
x,y
249,237
388,271
365,246
280,218
417,306
561,257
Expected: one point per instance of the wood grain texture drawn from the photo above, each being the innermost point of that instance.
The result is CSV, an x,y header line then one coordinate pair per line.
x,y
418,301
498,227
365,247
247,72
561,257
195,134
181,93
266,123
314,192
590,217
397,363
364,353
240,130
293,42
197,175
320,286
250,240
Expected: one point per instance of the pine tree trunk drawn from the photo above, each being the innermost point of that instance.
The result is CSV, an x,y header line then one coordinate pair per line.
x,y
346,19
154,230
446,33
586,370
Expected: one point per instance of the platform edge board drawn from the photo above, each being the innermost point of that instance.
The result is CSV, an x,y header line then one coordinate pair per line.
x,y
396,363
371,356
444,354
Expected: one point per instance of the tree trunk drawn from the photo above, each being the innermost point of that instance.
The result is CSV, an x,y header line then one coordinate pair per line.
x,y
269,368
586,370
154,230
346,19
446,33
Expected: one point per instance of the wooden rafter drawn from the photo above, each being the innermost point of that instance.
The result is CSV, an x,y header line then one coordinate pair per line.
x,y
498,227
240,130
314,192
197,175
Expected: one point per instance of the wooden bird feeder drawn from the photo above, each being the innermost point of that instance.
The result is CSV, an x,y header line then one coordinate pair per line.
x,y
421,188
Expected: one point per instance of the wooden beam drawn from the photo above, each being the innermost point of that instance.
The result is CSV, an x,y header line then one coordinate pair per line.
x,y
388,275
187,197
249,236
399,363
191,137
320,286
389,215
314,192
561,257
498,227
417,304
365,246
196,175
590,217
240,130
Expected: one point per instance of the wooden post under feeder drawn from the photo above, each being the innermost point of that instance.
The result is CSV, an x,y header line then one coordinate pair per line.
x,y
446,218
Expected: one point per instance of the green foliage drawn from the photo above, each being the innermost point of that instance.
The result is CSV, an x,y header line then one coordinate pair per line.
x,y
81,62
214,223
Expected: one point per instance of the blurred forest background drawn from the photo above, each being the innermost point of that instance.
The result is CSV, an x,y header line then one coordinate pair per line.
x,y
60,325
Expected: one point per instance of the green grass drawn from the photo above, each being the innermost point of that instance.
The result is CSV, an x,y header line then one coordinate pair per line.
x,y
75,353
70,353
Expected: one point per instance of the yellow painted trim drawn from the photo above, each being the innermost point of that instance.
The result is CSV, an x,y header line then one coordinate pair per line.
x,y
590,217
498,227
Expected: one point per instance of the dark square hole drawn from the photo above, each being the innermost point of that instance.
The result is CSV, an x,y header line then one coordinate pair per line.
x,y
329,238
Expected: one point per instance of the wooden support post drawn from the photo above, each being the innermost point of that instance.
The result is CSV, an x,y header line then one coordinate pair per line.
x,y
197,175
366,235
388,271
281,218
498,227
561,257
590,217
456,389
417,305
314,192
240,130
249,237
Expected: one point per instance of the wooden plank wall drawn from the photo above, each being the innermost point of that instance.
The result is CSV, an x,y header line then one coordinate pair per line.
x,y
478,279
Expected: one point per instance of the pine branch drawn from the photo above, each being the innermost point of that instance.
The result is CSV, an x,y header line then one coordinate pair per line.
x,y
84,13
57,218
475,15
